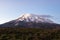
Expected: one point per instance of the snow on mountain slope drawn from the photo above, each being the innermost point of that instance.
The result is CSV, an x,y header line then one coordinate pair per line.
x,y
35,18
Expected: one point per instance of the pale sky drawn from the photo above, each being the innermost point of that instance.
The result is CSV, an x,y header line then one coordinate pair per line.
x,y
12,9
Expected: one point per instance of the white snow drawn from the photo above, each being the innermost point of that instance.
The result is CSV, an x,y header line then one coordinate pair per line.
x,y
34,18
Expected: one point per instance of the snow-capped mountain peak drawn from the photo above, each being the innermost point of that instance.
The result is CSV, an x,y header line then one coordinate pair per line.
x,y
35,18
25,15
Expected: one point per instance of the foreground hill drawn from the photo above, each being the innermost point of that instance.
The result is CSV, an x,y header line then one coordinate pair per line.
x,y
29,34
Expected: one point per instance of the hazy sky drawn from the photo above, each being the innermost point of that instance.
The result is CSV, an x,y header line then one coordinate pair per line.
x,y
12,9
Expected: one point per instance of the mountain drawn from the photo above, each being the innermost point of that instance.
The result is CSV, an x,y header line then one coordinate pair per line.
x,y
31,21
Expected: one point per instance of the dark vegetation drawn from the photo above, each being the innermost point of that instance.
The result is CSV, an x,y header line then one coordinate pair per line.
x,y
29,34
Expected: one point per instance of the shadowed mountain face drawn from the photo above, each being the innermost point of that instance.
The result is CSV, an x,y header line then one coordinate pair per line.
x,y
31,21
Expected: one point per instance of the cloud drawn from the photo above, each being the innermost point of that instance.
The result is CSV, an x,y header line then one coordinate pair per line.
x,y
46,16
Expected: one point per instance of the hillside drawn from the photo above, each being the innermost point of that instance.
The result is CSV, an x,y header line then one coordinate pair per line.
x,y
29,34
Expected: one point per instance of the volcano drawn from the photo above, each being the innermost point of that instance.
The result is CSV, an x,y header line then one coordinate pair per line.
x,y
31,21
